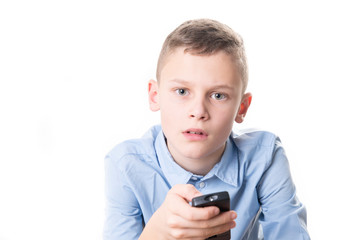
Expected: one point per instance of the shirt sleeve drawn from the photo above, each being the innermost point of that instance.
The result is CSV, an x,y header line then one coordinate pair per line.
x,y
123,216
283,216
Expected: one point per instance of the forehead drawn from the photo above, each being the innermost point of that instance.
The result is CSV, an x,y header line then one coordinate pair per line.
x,y
217,68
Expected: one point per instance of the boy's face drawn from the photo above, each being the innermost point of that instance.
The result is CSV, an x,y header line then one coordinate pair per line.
x,y
199,98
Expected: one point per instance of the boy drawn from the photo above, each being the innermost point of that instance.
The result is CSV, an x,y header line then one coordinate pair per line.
x,y
200,92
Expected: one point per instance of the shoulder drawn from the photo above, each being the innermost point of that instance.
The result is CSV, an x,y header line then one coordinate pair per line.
x,y
254,137
135,152
256,148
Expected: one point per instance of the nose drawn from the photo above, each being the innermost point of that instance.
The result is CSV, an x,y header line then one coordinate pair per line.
x,y
199,110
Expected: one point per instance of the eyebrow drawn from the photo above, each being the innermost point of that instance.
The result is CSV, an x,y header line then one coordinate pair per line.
x,y
184,82
181,81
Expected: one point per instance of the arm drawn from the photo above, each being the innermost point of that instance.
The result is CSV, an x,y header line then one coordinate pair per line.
x,y
176,219
123,218
283,216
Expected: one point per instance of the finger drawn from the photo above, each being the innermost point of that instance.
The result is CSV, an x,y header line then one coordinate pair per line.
x,y
192,233
178,203
221,219
217,229
186,191
182,208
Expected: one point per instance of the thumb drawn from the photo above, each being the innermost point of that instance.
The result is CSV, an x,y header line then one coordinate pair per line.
x,y
186,191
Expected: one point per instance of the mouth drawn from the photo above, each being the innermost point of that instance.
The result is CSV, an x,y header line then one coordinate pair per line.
x,y
199,132
191,132
196,131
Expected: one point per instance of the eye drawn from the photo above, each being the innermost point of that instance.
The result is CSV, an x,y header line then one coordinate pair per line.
x,y
182,91
218,96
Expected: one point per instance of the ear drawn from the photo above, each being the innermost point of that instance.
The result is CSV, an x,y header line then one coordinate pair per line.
x,y
244,106
153,92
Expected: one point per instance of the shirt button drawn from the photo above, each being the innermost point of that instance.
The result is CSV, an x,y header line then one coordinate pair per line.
x,y
194,178
202,185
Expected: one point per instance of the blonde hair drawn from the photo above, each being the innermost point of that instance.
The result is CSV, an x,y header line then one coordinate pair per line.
x,y
206,37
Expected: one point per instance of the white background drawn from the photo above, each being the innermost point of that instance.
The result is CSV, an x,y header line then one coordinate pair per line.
x,y
73,84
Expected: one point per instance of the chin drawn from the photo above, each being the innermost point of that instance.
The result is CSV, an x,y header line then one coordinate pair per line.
x,y
195,156
198,153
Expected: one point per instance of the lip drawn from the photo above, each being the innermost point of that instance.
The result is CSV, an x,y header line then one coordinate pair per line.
x,y
195,134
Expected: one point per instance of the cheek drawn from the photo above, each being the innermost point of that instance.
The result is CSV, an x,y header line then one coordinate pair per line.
x,y
168,110
226,114
224,119
171,107
170,115
226,122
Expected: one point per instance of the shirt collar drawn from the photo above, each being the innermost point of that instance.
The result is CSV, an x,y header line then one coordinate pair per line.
x,y
172,171
226,170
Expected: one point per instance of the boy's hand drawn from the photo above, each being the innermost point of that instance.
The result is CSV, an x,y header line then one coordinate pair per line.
x,y
176,219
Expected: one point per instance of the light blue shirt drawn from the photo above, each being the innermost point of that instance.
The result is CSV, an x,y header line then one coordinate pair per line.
x,y
253,169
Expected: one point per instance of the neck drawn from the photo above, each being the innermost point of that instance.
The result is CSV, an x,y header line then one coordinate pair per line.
x,y
198,166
